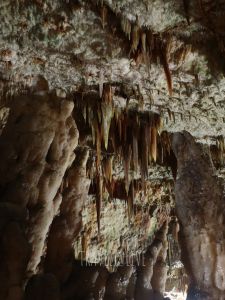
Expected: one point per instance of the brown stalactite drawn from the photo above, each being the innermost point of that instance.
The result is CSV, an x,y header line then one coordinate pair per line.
x,y
68,223
36,148
200,208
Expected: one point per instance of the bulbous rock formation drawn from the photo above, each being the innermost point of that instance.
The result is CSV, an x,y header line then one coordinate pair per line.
x,y
36,148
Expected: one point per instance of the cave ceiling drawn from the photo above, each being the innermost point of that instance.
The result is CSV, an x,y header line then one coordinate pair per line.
x,y
80,45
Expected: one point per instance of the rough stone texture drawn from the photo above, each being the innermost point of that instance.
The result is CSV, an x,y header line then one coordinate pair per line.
x,y
131,234
200,208
153,55
36,148
67,225
66,43
127,282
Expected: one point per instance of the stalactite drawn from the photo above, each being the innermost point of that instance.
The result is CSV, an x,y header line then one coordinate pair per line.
x,y
127,158
107,113
103,15
154,143
99,184
98,147
84,112
145,46
107,168
126,27
124,127
135,147
144,152
165,64
221,147
135,37
130,200
143,42
134,140
120,128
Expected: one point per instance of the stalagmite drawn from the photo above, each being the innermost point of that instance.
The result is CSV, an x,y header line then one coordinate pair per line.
x,y
200,208
36,148
145,272
159,277
68,223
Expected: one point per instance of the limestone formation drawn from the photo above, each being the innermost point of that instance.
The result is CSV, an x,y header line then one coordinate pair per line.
x,y
112,149
200,209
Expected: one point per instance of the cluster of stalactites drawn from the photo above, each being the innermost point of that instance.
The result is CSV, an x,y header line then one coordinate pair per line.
x,y
220,143
132,136
145,46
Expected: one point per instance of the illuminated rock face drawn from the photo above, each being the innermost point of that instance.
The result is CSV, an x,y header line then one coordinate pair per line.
x,y
92,177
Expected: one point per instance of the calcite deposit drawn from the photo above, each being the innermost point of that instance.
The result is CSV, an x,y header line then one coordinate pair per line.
x,y
112,149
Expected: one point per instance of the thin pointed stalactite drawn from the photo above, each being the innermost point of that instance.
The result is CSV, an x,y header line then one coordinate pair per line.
x,y
153,143
99,192
165,64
